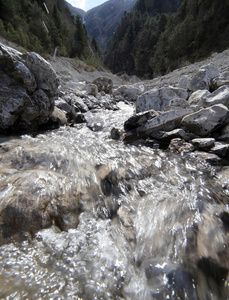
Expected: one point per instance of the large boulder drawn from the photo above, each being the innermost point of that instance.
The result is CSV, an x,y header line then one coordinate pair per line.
x,y
219,96
203,78
129,92
28,87
104,84
206,120
166,121
159,99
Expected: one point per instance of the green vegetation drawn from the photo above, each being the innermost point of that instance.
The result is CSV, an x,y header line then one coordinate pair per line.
x,y
158,36
43,27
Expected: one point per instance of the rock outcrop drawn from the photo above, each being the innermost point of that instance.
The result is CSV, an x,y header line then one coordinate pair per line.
x,y
28,87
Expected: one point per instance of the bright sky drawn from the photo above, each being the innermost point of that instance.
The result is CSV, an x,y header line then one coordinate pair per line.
x,y
86,4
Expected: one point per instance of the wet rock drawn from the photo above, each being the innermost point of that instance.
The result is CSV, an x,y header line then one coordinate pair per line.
x,y
209,158
166,121
204,143
104,84
204,121
59,117
180,145
33,203
221,149
115,133
159,99
139,119
176,133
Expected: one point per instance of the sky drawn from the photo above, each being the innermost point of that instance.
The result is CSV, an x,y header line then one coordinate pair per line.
x,y
86,4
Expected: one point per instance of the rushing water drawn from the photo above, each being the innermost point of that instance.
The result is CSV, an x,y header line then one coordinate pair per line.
x,y
151,225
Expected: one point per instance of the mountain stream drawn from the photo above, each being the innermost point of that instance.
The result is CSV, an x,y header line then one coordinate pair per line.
x,y
152,224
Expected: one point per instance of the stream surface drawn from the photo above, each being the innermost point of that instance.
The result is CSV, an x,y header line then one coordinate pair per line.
x,y
152,223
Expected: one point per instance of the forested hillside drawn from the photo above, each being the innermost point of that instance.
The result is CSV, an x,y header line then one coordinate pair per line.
x,y
42,26
161,35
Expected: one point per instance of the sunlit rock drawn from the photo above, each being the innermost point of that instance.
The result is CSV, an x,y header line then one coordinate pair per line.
x,y
204,121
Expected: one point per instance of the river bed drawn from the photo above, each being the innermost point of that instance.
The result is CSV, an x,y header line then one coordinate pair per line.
x,y
152,224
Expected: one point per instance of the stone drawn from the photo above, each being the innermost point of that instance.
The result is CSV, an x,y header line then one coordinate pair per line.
x,y
203,143
43,72
38,109
59,116
197,97
63,105
219,96
104,84
75,100
176,133
139,119
24,77
28,87
159,99
206,120
178,103
166,121
180,145
221,149
92,89
33,203
202,79
129,92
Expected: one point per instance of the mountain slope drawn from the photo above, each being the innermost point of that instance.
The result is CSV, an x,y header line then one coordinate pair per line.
x,y
150,41
102,20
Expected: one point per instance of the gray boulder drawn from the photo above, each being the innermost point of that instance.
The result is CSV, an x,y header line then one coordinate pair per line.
x,y
206,120
219,96
222,79
104,84
202,79
129,92
197,98
28,87
204,143
159,99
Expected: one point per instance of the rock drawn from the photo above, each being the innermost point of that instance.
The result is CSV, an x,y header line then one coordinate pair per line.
x,y
129,92
180,145
63,105
74,100
205,157
43,72
222,79
198,97
59,116
203,143
184,82
202,79
28,87
163,122
37,110
104,84
206,120
115,133
221,149
139,119
159,99
224,134
24,77
176,133
92,89
13,100
33,203
178,103
220,96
